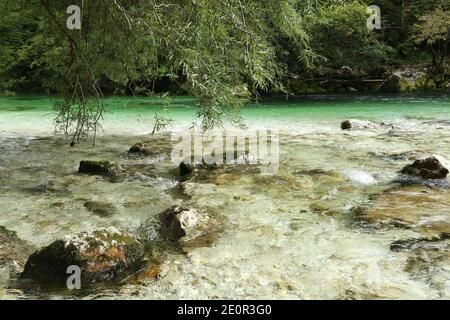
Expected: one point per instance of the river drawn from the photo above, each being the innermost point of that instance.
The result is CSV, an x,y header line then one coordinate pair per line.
x,y
321,227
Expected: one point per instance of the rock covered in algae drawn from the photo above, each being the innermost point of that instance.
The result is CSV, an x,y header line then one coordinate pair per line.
x,y
102,255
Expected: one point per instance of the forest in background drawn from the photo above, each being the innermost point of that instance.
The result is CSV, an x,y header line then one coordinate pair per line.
x,y
223,52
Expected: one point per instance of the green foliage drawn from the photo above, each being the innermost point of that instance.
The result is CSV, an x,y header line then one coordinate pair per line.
x,y
17,26
342,36
433,30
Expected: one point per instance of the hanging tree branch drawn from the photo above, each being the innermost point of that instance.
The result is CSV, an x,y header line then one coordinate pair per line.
x,y
81,107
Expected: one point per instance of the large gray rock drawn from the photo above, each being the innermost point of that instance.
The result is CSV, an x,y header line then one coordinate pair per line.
x,y
185,224
429,168
399,133
354,124
102,255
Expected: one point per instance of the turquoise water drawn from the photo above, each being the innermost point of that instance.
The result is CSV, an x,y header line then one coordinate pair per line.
x,y
321,227
135,115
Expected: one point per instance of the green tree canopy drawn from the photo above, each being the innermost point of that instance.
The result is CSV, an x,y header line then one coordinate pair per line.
x,y
219,51
342,37
433,30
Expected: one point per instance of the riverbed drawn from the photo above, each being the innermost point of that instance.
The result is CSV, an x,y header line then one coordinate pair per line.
x,y
323,226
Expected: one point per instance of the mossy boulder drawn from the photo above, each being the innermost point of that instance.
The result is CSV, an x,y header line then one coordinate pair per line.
x,y
312,89
429,169
100,168
114,172
102,255
395,84
425,84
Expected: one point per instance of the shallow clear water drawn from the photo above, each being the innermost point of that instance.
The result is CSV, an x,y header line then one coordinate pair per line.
x,y
298,234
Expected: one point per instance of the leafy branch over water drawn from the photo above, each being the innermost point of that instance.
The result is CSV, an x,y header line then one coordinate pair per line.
x,y
160,123
221,52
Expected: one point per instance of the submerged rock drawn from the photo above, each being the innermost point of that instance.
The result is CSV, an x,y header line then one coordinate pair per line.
x,y
141,148
353,124
102,209
155,145
185,224
438,123
188,169
231,161
13,254
115,172
399,133
101,168
401,156
150,149
102,255
428,169
427,260
422,243
416,207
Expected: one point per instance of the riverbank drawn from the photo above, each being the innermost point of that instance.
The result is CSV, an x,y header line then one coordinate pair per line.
x,y
406,80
